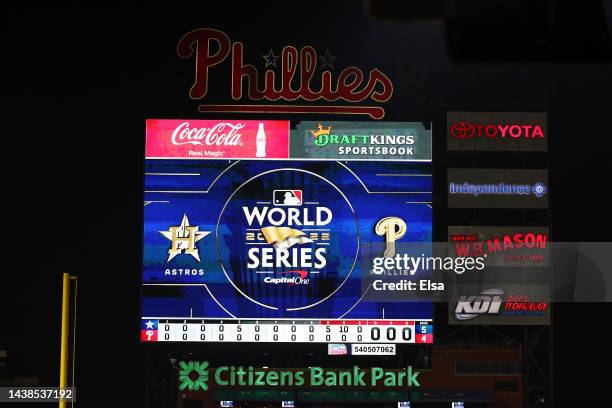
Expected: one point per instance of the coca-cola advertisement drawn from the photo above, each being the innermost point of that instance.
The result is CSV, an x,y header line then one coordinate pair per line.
x,y
217,139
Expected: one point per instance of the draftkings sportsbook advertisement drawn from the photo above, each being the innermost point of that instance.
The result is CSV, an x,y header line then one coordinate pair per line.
x,y
260,230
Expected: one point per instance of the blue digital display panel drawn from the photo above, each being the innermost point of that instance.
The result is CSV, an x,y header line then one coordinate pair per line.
x,y
229,243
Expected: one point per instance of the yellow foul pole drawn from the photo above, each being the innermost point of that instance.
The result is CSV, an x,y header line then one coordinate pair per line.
x,y
64,347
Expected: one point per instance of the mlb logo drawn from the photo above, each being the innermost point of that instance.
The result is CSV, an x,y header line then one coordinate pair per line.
x,y
457,405
284,198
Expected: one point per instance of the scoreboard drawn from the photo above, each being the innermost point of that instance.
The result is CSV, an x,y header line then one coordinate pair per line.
x,y
294,331
257,231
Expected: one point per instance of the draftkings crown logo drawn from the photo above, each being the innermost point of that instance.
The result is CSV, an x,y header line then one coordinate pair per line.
x,y
193,375
184,238
321,131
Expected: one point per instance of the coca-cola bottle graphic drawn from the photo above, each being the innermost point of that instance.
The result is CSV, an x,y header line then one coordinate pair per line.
x,y
261,141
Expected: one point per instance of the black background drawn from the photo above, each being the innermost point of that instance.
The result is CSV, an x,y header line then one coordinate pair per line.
x,y
78,83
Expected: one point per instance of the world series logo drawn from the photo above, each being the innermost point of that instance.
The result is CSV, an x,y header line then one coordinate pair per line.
x,y
288,246
275,235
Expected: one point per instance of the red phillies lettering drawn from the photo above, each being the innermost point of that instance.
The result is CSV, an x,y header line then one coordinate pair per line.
x,y
202,39
350,86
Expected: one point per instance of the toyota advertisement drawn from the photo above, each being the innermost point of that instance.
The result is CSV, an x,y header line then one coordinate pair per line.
x,y
497,131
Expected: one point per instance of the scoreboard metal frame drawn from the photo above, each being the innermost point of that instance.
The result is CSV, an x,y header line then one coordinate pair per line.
x,y
245,260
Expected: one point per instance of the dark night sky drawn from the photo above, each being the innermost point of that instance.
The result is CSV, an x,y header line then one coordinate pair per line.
x,y
78,84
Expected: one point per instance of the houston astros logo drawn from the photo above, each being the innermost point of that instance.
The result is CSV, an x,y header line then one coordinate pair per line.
x,y
392,228
184,238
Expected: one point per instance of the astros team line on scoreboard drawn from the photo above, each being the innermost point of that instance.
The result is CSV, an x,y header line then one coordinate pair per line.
x,y
284,330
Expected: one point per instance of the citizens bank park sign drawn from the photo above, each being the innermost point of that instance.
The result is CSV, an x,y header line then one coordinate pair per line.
x,y
291,76
199,376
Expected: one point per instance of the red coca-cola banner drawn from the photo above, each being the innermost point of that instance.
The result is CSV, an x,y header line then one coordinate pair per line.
x,y
217,139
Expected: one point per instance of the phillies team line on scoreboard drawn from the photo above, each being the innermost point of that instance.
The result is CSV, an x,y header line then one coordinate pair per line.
x,y
259,231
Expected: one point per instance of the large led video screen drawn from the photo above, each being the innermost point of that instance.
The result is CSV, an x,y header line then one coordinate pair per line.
x,y
247,239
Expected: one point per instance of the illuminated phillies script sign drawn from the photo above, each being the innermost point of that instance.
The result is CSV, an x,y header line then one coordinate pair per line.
x,y
293,81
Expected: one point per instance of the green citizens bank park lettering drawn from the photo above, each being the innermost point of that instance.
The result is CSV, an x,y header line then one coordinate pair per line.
x,y
313,376
318,376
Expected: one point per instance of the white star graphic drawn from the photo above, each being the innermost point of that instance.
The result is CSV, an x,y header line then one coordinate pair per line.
x,y
183,239
150,324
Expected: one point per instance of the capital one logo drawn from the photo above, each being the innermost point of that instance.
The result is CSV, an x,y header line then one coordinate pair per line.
x,y
488,302
465,130
193,375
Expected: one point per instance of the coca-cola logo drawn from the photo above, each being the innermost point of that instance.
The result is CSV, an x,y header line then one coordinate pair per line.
x,y
221,134
464,130
292,80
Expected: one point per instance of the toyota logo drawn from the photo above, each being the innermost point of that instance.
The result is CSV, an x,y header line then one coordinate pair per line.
x,y
462,130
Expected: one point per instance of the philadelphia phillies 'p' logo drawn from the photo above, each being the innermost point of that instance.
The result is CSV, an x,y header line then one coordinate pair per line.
x,y
392,228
